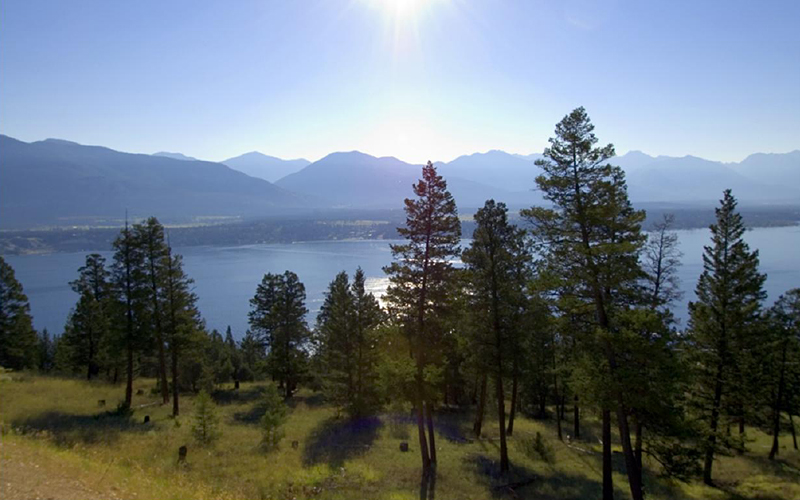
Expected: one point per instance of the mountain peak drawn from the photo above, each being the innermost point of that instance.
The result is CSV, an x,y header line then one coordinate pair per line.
x,y
175,156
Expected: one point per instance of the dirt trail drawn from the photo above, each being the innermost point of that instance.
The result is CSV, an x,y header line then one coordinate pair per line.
x,y
26,473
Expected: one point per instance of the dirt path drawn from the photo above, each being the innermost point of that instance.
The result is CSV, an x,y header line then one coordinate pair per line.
x,y
28,473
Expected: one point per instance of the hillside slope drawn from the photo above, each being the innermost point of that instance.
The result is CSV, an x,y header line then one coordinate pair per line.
x,y
56,182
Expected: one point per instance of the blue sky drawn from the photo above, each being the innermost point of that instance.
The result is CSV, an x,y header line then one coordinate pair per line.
x,y
416,79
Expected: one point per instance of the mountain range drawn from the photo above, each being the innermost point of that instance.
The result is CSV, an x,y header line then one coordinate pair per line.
x,y
56,182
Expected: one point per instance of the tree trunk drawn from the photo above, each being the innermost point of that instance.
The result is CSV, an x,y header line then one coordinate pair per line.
x,y
634,476
431,438
712,438
608,478
576,420
423,441
129,382
478,426
512,413
791,426
740,451
638,447
175,405
776,424
558,409
501,417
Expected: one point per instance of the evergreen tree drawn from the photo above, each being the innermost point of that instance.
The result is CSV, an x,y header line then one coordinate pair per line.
x,y
421,282
593,236
182,319
729,295
234,354
496,262
18,342
47,352
150,237
128,279
253,357
660,262
206,421
274,417
346,327
89,323
277,317
782,361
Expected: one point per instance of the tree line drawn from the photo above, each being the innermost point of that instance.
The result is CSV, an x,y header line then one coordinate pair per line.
x,y
568,314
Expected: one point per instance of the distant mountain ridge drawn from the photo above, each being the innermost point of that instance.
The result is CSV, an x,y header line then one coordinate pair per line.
x,y
358,180
175,156
269,168
56,182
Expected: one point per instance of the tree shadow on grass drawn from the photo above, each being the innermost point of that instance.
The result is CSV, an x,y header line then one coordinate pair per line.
x,y
453,425
336,440
232,396
67,429
522,482
315,400
251,416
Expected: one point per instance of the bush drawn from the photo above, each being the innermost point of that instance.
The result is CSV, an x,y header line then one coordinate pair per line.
x,y
274,417
538,449
206,423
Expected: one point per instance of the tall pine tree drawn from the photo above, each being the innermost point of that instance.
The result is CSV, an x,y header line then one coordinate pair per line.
x,y
729,295
18,342
277,317
593,234
421,281
497,271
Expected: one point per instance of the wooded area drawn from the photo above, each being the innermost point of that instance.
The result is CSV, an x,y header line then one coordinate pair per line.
x,y
568,313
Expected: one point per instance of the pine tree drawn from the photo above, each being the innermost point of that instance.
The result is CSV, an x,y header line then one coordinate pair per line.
x,y
89,323
150,237
335,342
253,357
47,352
783,357
346,327
128,279
274,417
206,421
367,317
729,295
17,337
422,279
234,354
182,319
277,317
593,235
496,263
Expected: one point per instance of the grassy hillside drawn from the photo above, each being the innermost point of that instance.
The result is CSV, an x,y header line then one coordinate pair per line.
x,y
57,442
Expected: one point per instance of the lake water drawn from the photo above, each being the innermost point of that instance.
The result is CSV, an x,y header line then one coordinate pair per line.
x,y
226,277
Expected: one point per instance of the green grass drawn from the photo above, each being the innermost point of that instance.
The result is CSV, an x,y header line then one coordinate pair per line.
x,y
336,458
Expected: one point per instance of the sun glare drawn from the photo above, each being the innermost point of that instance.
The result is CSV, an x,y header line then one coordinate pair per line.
x,y
403,8
400,9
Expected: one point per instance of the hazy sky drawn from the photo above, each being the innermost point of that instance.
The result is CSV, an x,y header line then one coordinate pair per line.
x,y
416,79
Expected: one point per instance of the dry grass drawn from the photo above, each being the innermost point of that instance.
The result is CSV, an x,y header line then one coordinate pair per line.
x,y
55,421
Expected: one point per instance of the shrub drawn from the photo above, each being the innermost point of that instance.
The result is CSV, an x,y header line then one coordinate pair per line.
x,y
274,417
206,423
538,449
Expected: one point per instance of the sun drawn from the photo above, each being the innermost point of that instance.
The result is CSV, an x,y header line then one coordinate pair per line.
x,y
404,8
400,9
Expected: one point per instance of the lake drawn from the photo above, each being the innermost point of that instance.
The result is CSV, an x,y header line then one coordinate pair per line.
x,y
226,277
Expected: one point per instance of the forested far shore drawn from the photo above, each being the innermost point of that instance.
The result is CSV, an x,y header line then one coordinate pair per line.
x,y
564,313
340,225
